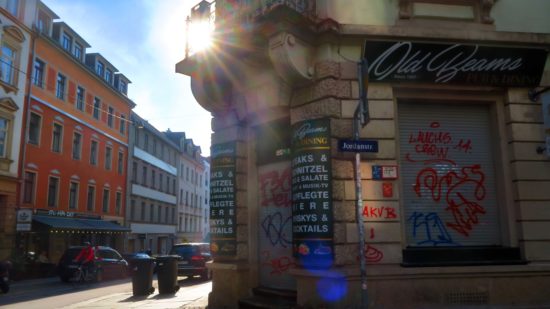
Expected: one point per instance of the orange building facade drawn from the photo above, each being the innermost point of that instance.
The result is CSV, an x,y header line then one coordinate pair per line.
x,y
76,150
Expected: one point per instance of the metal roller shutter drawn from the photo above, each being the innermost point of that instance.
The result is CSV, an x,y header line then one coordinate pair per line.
x,y
448,175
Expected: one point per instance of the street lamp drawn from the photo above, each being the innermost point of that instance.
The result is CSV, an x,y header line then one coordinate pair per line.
x,y
199,27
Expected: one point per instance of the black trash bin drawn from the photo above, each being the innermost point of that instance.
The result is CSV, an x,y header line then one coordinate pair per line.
x,y
167,274
142,275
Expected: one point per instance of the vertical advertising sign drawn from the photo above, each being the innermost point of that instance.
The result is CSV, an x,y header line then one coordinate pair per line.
x,y
222,199
312,227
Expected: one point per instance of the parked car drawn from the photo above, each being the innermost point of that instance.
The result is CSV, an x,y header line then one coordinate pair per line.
x,y
193,259
109,264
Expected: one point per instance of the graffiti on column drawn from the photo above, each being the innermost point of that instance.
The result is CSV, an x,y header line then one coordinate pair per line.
x,y
275,225
223,199
459,189
312,193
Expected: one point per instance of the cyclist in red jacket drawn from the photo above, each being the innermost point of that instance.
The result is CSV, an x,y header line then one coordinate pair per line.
x,y
86,257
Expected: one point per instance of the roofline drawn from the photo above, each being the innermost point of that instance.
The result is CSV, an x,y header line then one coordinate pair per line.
x,y
73,32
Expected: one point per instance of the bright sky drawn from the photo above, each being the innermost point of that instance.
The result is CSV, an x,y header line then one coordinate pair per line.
x,y
144,39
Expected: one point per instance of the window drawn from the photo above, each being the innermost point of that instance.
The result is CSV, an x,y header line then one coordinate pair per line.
x,y
110,117
97,106
78,50
146,142
123,87
38,76
34,128
57,137
53,189
73,195
120,162
151,212
159,213
144,176
60,92
13,7
142,212
8,64
80,94
187,173
153,178
108,158
118,202
90,199
66,41
4,136
30,182
134,172
122,127
154,147
77,145
99,68
108,76
93,153
43,22
105,202
161,182
132,210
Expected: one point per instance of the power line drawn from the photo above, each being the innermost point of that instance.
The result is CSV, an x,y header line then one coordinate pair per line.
x,y
39,83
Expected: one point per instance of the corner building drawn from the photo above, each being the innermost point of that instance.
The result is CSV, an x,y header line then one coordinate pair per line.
x,y
459,181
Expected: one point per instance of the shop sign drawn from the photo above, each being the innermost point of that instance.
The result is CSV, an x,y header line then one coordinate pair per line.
x,y
23,220
223,199
348,145
312,219
406,61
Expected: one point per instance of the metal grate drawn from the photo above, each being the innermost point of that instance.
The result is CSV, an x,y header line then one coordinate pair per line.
x,y
467,298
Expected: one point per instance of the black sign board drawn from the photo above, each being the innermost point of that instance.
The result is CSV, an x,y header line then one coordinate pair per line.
x,y
405,61
223,199
312,224
349,145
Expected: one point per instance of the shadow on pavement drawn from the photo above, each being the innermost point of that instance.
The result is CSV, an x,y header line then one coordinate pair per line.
x,y
23,292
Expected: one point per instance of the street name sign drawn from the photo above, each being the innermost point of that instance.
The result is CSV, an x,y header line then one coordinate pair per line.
x,y
349,145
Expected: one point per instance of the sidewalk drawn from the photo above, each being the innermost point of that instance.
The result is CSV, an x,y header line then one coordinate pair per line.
x,y
184,298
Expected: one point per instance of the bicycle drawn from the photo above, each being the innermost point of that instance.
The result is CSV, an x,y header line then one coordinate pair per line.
x,y
82,275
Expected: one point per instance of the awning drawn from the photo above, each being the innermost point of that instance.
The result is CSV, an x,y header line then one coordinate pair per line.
x,y
79,224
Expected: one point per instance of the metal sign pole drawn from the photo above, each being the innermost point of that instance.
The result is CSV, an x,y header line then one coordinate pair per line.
x,y
361,117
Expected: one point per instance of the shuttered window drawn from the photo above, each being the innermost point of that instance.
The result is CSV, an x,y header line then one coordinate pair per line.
x,y
448,175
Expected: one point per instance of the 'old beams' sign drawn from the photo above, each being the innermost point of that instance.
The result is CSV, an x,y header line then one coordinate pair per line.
x,y
223,199
312,227
405,61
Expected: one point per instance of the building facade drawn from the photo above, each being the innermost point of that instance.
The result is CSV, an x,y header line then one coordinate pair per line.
x,y
193,191
16,40
153,182
446,98
74,158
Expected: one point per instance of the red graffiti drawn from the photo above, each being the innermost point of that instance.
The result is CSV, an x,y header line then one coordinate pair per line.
x,y
275,188
464,146
280,264
465,210
371,233
372,254
436,144
383,212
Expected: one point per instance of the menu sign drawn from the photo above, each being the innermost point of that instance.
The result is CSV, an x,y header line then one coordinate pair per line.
x,y
405,61
222,199
312,228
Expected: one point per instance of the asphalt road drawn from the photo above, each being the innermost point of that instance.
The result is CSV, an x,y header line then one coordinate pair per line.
x,y
45,294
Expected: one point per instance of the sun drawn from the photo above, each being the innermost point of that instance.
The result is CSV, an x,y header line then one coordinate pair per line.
x,y
200,36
